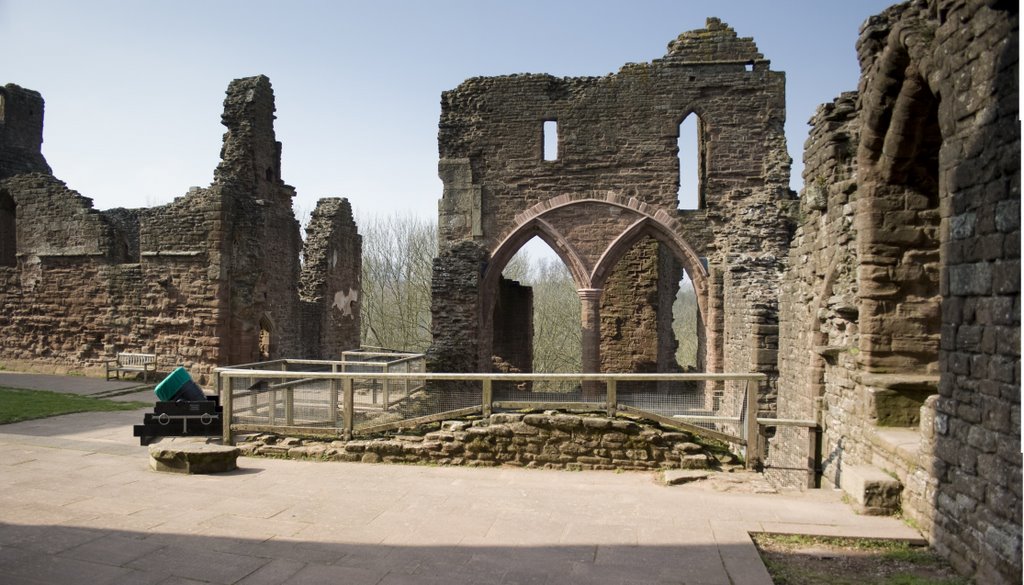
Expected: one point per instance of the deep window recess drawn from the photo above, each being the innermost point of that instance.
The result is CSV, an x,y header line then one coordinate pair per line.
x,y
550,140
691,164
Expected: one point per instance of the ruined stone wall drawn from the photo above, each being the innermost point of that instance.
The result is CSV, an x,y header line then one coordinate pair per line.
x,y
21,132
454,291
978,504
901,308
615,182
818,303
330,282
197,281
632,311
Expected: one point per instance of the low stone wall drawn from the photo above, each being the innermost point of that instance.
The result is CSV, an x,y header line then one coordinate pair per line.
x,y
549,440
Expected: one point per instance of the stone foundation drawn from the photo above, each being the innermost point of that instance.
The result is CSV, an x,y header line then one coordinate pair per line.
x,y
550,441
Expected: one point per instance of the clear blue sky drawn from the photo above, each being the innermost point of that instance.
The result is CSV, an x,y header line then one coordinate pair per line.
x,y
134,89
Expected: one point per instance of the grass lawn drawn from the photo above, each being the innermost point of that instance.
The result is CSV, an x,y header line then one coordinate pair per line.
x,y
811,560
18,405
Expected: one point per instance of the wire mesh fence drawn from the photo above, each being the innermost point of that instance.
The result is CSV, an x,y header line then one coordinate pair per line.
x,y
377,393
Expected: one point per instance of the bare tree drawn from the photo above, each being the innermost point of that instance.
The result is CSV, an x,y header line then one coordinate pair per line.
x,y
557,345
398,252
556,311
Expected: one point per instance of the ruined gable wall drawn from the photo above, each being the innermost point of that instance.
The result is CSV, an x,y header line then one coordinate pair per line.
x,y
262,241
618,137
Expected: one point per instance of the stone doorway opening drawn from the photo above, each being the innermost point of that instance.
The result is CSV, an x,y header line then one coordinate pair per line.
x,y
536,314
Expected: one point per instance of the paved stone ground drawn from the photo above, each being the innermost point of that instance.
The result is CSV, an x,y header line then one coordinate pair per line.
x,y
78,504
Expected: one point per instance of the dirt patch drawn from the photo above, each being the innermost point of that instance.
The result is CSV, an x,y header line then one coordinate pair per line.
x,y
810,560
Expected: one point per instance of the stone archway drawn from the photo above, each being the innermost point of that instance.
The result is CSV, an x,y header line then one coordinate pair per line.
x,y
590,236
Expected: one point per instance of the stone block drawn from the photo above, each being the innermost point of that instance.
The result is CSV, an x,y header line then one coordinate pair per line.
x,y
681,476
192,458
873,491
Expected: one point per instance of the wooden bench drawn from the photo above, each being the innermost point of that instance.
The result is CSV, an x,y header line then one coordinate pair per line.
x,y
132,362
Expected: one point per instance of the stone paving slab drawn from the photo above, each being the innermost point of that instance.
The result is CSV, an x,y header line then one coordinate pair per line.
x,y
79,504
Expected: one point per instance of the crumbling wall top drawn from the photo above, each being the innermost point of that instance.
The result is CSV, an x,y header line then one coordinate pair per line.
x,y
250,156
716,42
21,131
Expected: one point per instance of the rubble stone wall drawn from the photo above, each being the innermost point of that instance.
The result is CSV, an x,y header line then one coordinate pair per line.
x,y
900,308
201,281
548,441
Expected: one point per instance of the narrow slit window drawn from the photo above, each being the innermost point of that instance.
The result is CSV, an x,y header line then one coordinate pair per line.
x,y
550,140
690,167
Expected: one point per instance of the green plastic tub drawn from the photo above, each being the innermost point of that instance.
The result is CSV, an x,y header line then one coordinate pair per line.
x,y
178,385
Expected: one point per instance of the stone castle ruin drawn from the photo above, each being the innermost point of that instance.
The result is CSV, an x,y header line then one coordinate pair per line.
x,y
883,303
213,278
608,206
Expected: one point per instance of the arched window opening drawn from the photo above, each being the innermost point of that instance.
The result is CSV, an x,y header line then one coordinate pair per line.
x,y
8,230
691,151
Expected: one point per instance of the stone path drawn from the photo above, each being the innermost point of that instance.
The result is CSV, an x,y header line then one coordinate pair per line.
x,y
78,504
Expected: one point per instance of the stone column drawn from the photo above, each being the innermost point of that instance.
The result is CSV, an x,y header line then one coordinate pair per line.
x,y
590,322
590,337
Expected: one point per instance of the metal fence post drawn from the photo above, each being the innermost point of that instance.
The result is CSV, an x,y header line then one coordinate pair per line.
x,y
349,402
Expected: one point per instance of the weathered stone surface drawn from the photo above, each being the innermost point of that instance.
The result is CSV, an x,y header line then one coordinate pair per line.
x,y
682,476
610,205
192,458
549,440
206,280
900,269
873,491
